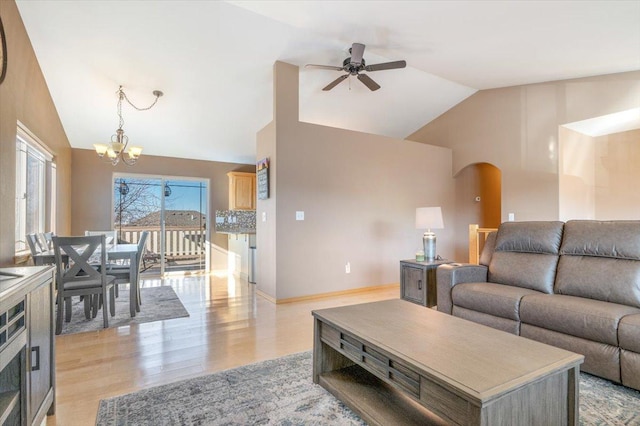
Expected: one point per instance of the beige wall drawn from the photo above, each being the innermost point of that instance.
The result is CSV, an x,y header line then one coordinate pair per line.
x,y
266,230
516,129
24,96
359,193
576,184
92,190
617,174
476,180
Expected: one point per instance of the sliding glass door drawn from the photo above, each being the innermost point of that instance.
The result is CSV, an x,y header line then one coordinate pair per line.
x,y
173,210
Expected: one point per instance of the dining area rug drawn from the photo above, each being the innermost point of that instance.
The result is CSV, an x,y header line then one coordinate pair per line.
x,y
281,392
158,303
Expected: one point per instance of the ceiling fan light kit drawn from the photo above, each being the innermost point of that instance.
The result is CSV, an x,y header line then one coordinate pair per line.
x,y
355,65
116,150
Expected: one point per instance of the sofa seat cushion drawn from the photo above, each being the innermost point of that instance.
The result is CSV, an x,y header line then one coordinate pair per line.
x,y
586,318
494,299
629,333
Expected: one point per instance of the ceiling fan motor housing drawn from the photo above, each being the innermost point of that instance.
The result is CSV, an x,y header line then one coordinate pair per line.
x,y
352,68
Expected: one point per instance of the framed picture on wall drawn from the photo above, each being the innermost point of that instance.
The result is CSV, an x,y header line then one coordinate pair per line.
x,y
262,176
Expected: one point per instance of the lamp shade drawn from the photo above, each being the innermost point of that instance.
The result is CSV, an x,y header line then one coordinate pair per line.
x,y
429,218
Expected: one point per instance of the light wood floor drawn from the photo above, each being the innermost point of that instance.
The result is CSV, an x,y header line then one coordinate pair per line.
x,y
228,326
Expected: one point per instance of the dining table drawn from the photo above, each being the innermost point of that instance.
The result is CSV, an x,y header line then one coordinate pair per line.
x,y
114,252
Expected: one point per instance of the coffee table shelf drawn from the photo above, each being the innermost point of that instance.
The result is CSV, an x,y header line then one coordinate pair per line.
x,y
374,400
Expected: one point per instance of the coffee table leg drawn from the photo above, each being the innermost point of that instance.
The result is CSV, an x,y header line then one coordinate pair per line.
x,y
573,392
317,351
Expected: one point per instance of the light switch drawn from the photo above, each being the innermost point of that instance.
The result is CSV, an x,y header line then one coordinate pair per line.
x,y
299,215
264,216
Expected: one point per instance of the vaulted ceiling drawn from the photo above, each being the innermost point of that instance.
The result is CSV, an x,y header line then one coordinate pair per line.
x,y
214,62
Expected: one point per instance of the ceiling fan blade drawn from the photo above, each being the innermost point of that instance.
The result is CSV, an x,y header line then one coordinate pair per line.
x,y
386,66
372,85
324,67
357,50
335,82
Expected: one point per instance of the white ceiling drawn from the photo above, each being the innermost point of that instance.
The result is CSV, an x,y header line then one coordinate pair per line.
x,y
214,62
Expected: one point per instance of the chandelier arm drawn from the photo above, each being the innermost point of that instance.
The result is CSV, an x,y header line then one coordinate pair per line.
x,y
129,162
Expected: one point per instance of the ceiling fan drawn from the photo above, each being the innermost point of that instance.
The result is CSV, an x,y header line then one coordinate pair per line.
x,y
355,64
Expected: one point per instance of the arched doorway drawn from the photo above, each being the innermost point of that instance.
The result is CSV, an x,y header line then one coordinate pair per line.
x,y
478,200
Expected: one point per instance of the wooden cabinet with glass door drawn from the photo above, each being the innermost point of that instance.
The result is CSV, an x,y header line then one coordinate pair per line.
x,y
242,191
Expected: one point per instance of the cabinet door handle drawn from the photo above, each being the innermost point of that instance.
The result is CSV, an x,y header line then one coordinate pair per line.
x,y
35,365
419,284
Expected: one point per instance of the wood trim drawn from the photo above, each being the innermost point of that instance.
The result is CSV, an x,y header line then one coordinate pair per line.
x,y
21,259
332,293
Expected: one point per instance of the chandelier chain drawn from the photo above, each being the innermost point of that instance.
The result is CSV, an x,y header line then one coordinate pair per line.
x,y
126,98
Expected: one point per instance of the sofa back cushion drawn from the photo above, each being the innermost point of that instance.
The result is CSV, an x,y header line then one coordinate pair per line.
x,y
526,255
601,260
488,249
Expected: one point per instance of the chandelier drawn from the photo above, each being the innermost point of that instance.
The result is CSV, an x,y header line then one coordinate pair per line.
x,y
118,149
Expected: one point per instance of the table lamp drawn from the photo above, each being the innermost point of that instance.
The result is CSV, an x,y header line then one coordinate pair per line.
x,y
429,218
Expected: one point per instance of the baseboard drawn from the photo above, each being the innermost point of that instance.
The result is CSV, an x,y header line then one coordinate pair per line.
x,y
330,294
266,296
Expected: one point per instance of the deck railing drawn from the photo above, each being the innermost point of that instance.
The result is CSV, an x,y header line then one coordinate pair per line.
x,y
180,242
477,237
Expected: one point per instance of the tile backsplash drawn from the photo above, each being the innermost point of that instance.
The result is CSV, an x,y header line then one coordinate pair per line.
x,y
236,221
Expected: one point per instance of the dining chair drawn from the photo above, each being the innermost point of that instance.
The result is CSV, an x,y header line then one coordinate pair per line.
x,y
82,278
42,241
123,272
112,236
34,246
48,240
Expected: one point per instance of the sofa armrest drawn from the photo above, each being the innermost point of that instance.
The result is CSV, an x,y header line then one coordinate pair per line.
x,y
451,274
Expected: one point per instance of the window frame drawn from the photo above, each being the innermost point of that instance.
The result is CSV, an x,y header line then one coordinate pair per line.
x,y
30,148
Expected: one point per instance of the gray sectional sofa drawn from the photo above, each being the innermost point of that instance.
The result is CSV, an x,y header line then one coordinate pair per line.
x,y
574,285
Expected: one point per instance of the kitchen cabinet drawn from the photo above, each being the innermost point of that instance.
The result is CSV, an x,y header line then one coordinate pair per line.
x,y
242,191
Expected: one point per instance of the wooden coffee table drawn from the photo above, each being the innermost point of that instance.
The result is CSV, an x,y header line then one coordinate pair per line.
x,y
394,362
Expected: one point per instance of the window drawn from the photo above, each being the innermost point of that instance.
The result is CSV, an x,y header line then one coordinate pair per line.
x,y
33,164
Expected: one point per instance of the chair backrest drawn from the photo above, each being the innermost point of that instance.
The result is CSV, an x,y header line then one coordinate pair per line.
x,y
42,241
112,236
48,240
142,242
34,246
80,250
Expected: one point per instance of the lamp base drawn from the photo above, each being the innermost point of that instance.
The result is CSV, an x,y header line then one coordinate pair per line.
x,y
429,243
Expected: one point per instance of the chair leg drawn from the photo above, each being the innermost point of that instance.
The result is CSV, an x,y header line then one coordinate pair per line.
x,y
67,309
59,313
87,307
104,309
112,301
96,299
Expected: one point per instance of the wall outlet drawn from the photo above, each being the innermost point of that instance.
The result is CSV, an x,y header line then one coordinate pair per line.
x,y
347,268
299,215
264,216
512,217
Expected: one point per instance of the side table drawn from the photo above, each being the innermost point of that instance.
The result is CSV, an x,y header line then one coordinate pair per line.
x,y
418,281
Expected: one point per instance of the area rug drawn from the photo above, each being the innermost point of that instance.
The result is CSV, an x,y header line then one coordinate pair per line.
x,y
158,303
280,392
